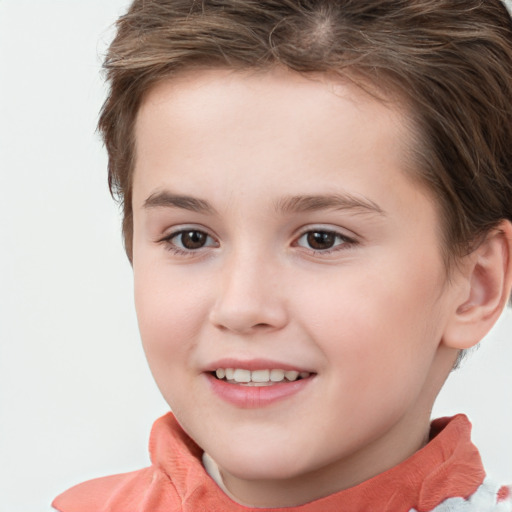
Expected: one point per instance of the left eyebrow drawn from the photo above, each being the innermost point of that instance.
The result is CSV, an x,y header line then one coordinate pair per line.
x,y
298,204
166,199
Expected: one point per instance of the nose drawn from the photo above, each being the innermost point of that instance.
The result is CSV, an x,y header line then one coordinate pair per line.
x,y
250,297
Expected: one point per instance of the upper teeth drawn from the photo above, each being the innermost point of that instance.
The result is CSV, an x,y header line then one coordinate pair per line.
x,y
259,376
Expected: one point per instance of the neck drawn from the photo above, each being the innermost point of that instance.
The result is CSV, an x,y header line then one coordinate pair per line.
x,y
377,457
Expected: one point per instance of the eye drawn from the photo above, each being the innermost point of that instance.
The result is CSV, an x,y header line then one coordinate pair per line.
x,y
188,240
323,240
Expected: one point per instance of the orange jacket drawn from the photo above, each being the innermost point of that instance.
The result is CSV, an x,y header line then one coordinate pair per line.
x,y
448,466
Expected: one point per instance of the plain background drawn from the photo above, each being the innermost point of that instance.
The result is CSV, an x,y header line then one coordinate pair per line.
x,y
76,397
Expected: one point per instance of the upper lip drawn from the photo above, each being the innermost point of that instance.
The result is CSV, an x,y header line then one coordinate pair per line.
x,y
254,364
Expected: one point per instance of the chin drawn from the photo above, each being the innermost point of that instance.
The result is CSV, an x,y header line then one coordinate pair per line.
x,y
263,462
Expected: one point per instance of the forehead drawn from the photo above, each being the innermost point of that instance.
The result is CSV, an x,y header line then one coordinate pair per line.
x,y
263,119
255,94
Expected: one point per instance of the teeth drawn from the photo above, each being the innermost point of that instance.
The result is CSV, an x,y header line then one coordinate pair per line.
x,y
276,375
242,376
292,375
259,376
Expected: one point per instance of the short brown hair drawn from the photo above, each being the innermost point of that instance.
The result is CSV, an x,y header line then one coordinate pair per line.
x,y
449,60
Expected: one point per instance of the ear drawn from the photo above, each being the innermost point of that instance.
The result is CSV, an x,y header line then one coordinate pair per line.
x,y
486,282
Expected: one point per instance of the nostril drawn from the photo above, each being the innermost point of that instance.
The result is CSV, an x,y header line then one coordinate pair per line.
x,y
247,316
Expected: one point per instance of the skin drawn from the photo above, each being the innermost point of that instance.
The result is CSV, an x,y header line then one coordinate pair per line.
x,y
367,316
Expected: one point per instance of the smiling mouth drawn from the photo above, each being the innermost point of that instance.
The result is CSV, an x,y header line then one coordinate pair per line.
x,y
258,377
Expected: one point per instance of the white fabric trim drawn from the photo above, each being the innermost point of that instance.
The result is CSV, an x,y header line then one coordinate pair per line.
x,y
212,469
484,500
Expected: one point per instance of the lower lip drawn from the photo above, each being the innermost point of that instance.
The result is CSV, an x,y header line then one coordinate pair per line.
x,y
254,397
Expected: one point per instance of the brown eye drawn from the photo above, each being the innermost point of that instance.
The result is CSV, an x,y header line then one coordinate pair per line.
x,y
192,239
319,240
188,241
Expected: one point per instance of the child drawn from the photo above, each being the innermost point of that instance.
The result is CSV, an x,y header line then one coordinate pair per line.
x,y
317,205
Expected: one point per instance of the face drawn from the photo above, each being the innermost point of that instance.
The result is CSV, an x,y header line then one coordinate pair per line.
x,y
289,280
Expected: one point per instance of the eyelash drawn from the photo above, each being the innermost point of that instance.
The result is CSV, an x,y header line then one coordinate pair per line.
x,y
174,249
341,241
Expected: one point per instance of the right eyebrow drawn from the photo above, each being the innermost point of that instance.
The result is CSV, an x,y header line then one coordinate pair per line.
x,y
166,199
331,201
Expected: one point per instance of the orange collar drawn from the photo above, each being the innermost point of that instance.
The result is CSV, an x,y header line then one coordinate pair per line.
x,y
448,466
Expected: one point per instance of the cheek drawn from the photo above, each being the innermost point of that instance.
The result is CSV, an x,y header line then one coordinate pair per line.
x,y
170,314
377,351
378,323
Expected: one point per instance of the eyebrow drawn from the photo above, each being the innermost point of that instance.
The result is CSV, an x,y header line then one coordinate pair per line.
x,y
287,205
298,204
167,199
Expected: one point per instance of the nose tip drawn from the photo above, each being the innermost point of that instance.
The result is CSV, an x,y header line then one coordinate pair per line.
x,y
248,318
249,305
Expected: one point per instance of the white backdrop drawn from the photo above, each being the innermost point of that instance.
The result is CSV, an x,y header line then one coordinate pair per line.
x,y
76,398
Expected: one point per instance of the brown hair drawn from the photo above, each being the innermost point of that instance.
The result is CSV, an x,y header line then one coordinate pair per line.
x,y
449,60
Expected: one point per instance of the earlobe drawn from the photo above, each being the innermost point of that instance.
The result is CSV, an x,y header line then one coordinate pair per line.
x,y
487,283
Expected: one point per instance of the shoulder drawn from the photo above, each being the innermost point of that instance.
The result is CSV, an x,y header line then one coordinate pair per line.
x,y
489,497
176,476
146,489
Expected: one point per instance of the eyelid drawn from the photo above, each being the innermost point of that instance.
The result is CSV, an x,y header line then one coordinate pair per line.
x,y
348,240
175,231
